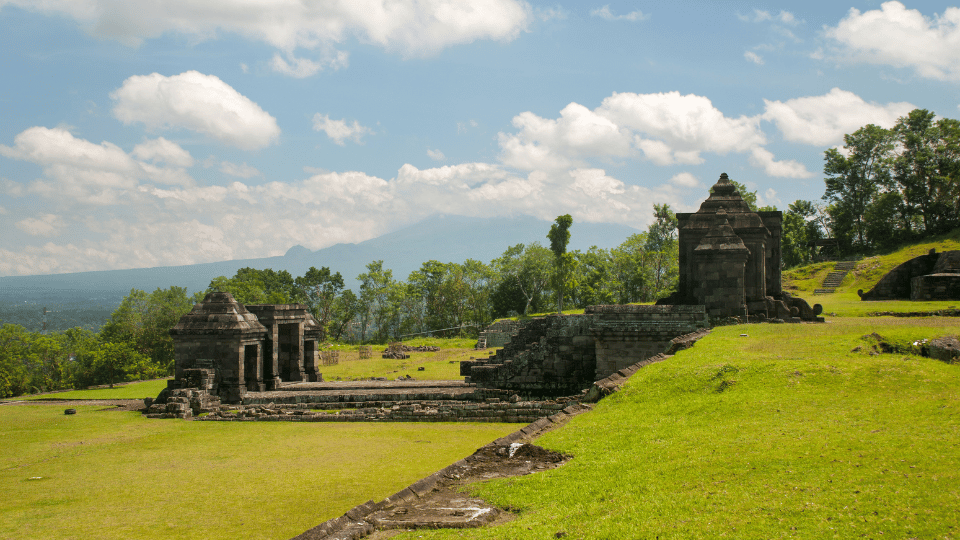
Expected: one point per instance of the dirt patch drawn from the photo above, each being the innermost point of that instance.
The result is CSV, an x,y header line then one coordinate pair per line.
x,y
107,404
436,501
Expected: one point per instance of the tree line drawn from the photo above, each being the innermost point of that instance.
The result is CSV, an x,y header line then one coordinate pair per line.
x,y
438,298
883,188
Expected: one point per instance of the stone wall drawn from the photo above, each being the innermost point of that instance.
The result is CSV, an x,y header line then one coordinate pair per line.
x,y
491,410
564,354
897,283
499,333
629,333
552,355
935,287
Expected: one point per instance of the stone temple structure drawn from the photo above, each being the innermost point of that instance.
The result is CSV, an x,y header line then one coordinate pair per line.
x,y
227,348
934,276
730,261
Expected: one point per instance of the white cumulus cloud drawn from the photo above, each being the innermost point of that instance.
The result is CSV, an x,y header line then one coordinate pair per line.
x,y
304,67
760,15
340,130
45,225
896,36
684,179
542,143
198,102
684,125
605,13
824,120
162,150
242,171
412,27
763,158
753,57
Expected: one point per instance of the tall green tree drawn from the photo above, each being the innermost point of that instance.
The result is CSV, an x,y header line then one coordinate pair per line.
x,y
253,286
926,169
595,280
663,252
376,289
630,271
346,309
319,290
524,273
559,236
800,229
143,321
15,356
480,280
856,176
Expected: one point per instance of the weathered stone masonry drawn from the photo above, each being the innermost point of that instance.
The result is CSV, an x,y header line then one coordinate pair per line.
x,y
730,261
934,276
243,353
564,354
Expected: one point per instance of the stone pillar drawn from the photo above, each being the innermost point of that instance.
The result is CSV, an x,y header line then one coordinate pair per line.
x,y
297,372
271,367
310,366
232,385
721,258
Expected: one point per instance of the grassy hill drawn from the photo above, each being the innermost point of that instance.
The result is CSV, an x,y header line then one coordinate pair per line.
x,y
802,281
797,431
869,270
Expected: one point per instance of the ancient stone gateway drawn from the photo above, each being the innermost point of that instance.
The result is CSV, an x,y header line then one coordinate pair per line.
x,y
224,344
730,261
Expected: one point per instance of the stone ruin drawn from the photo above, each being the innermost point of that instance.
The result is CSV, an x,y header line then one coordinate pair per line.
x,y
561,355
227,349
934,276
730,261
729,271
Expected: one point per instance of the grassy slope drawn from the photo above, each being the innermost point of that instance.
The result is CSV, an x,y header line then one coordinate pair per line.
x,y
108,474
870,269
782,433
804,280
135,390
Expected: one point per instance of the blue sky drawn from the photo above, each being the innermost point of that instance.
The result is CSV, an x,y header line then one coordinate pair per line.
x,y
143,133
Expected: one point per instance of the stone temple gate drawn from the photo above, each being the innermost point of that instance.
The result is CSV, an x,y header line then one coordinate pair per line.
x,y
229,348
730,261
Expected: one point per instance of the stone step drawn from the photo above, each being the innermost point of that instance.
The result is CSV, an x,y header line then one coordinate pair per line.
x,y
833,280
845,265
824,291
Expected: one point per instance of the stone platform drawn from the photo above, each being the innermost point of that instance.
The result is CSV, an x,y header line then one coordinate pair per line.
x,y
352,393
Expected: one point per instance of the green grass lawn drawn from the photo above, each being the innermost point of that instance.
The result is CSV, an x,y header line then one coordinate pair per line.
x,y
107,474
784,432
848,304
135,390
443,366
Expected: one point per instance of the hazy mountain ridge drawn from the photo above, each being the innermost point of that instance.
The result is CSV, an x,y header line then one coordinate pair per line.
x,y
442,238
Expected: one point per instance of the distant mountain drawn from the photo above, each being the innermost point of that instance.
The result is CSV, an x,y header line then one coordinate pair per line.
x,y
442,238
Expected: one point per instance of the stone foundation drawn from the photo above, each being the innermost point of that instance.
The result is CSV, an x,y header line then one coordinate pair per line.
x,y
497,334
934,276
564,354
493,410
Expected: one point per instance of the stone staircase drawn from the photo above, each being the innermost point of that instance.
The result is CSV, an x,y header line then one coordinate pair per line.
x,y
833,279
